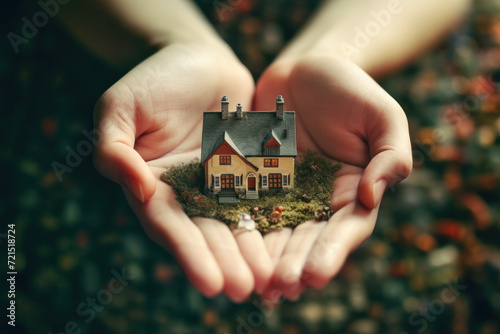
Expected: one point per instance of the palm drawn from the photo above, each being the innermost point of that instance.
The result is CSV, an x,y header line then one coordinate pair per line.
x,y
344,115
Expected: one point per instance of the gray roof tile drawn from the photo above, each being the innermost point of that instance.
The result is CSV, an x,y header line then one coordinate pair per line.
x,y
248,133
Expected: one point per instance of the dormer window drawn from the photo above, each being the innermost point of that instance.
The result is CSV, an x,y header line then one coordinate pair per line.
x,y
271,144
271,151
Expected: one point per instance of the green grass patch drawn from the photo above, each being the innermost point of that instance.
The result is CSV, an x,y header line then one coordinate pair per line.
x,y
309,200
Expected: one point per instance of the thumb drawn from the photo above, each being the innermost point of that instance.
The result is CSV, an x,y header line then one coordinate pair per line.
x,y
388,140
390,150
115,156
383,171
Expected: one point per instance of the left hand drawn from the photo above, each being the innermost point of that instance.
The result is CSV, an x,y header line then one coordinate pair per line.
x,y
150,120
343,114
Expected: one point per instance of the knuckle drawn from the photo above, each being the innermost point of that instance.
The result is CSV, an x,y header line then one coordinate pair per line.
x,y
117,97
104,102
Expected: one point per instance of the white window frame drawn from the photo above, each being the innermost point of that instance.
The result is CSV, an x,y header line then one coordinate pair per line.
x,y
236,181
217,181
264,180
284,180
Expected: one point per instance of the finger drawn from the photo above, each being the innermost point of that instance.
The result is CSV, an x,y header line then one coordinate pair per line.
x,y
166,223
346,230
384,170
275,243
390,151
273,294
271,84
295,295
238,278
254,251
346,186
115,156
288,273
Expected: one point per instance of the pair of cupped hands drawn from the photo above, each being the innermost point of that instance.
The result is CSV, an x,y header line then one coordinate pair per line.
x,y
152,118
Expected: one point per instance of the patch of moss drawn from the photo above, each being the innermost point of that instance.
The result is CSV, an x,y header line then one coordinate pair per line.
x,y
309,200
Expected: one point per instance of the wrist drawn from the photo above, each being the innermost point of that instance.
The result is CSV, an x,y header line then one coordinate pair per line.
x,y
331,43
209,60
162,39
219,53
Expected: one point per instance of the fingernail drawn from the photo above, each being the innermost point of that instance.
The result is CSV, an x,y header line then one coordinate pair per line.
x,y
135,188
273,295
379,189
294,298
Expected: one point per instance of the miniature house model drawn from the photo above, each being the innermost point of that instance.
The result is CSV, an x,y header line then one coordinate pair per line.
x,y
245,153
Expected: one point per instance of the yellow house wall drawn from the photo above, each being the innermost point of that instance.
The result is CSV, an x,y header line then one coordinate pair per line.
x,y
286,165
237,167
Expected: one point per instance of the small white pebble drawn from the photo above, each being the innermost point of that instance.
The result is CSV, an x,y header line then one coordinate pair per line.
x,y
246,222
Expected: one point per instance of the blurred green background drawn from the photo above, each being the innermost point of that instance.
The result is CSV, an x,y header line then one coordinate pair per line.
x,y
74,235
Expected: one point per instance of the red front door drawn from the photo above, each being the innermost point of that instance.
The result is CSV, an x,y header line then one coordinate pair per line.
x,y
251,183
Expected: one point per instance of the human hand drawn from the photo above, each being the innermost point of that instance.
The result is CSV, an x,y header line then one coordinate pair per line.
x,y
344,115
151,119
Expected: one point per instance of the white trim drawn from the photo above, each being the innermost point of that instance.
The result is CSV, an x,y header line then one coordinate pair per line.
x,y
264,181
216,181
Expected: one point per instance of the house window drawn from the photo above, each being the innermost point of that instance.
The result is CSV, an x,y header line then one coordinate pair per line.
x,y
285,180
237,180
224,160
217,181
274,181
264,180
270,162
227,181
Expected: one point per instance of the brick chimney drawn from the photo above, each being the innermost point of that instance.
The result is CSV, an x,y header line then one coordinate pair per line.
x,y
280,101
224,106
239,112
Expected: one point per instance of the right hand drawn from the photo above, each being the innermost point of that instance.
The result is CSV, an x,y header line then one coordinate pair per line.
x,y
343,114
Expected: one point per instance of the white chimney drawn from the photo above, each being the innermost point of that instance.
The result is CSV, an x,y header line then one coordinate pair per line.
x,y
239,112
280,101
224,105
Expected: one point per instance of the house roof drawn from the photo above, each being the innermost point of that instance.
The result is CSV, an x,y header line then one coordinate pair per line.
x,y
225,138
248,134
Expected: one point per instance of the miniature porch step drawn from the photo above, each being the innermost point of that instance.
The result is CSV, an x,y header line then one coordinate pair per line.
x,y
252,195
228,197
228,200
